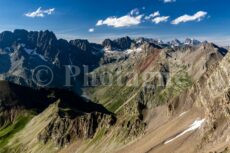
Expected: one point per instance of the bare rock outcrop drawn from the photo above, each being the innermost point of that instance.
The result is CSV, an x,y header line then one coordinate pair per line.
x,y
65,128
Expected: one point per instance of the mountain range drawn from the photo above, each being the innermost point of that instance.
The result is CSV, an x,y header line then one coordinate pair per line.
x,y
141,95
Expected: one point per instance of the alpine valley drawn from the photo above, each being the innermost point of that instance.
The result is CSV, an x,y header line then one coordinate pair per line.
x,y
130,95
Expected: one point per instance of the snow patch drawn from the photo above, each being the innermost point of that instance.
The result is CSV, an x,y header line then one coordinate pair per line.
x,y
136,50
42,57
128,51
28,51
182,114
107,50
195,125
33,52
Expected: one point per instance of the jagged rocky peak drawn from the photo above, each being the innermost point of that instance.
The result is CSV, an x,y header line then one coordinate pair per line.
x,y
22,51
175,43
118,44
46,36
85,45
148,46
82,44
206,45
30,39
6,39
68,124
142,40
34,36
124,42
186,42
21,35
107,43
189,41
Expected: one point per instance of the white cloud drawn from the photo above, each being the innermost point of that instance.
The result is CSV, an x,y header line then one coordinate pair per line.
x,y
157,13
91,30
40,13
169,1
160,19
154,14
99,23
135,11
186,18
124,21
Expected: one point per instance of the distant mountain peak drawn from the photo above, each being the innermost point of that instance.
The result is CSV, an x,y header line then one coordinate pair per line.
x,y
142,40
122,43
175,43
191,41
82,44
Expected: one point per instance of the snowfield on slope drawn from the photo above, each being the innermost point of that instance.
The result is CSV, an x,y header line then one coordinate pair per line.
x,y
195,125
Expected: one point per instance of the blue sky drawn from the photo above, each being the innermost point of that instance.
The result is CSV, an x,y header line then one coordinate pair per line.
x,y
201,19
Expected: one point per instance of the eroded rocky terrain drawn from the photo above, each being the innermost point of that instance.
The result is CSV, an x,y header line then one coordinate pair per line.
x,y
141,95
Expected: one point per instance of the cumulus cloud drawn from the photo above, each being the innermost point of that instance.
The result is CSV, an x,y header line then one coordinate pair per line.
x,y
187,18
169,1
160,19
154,14
40,13
123,21
135,11
99,23
134,17
91,30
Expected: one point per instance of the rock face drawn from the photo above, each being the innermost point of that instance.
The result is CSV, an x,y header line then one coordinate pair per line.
x,y
46,44
22,52
214,81
118,44
64,130
175,43
211,94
